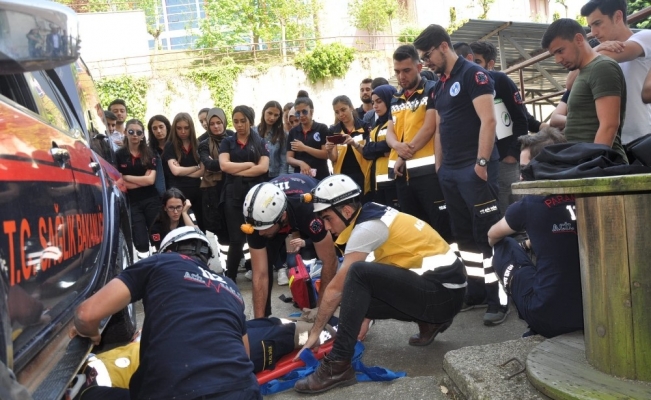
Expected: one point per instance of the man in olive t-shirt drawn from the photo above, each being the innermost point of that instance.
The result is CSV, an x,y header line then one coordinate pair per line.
x,y
597,103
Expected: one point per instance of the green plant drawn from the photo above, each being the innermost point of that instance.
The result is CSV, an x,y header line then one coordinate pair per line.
x,y
220,80
408,34
325,61
373,16
132,90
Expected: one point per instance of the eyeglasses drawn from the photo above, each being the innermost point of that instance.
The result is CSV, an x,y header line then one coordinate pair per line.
x,y
304,111
138,132
175,209
425,57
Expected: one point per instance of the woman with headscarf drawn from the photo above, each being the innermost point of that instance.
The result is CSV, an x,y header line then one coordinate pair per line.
x,y
245,161
377,150
213,182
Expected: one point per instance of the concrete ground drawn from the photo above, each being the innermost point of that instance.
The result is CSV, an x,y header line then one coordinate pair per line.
x,y
386,346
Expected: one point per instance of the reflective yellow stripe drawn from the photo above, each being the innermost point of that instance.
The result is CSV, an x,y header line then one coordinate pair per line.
x,y
475,271
392,163
455,285
490,278
420,162
431,263
472,257
389,217
382,178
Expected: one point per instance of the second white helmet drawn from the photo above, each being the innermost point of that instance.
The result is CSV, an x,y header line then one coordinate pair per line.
x,y
264,205
333,190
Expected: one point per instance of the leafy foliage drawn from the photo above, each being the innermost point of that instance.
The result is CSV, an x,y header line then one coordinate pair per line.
x,y
326,61
408,34
454,24
637,5
373,16
132,90
221,80
485,6
230,22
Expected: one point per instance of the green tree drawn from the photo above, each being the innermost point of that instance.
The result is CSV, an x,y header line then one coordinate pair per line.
x,y
373,16
454,24
564,4
229,22
485,6
637,5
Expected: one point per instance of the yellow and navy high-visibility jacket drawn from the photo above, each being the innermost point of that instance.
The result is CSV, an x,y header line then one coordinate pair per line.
x,y
375,150
412,244
408,116
359,135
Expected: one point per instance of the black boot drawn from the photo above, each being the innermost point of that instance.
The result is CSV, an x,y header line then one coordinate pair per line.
x,y
427,333
329,374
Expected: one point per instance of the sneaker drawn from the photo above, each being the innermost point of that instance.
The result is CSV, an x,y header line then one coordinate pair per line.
x,y
282,277
249,274
468,307
529,332
495,315
82,383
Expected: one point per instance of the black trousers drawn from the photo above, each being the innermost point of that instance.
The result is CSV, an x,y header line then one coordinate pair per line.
x,y
276,248
473,207
423,198
548,310
234,220
386,195
111,393
381,291
143,214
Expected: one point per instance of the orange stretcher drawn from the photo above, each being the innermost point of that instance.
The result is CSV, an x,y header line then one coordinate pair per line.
x,y
286,364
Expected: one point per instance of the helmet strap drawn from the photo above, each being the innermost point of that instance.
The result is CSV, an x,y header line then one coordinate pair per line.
x,y
347,221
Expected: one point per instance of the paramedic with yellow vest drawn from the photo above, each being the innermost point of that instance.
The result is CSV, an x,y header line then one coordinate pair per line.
x,y
415,276
377,150
410,134
346,154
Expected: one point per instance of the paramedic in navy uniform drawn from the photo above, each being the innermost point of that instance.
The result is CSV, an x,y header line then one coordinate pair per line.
x,y
188,311
419,280
547,294
273,210
467,162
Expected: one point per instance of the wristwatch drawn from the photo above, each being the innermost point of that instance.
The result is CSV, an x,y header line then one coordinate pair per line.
x,y
482,162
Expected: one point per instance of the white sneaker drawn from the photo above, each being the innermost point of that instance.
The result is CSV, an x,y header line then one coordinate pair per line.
x,y
249,275
282,277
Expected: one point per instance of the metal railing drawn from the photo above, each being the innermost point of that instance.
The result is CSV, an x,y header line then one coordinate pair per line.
x,y
162,62
633,18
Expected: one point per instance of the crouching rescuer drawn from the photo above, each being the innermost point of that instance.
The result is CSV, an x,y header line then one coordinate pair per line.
x,y
415,277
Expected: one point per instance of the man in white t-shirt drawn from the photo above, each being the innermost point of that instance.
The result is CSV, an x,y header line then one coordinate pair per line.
x,y
607,21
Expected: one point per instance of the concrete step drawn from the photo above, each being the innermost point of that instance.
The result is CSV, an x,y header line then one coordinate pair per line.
x,y
418,388
477,373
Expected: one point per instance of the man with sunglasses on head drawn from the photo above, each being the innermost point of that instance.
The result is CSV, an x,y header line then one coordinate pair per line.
x,y
410,134
273,211
467,162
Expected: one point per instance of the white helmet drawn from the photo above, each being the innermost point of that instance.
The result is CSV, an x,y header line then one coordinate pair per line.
x,y
333,190
263,206
172,240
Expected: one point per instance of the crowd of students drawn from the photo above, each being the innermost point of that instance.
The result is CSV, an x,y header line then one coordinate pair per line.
x,y
420,177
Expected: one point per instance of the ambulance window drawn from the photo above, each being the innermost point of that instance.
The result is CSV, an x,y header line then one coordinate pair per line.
x,y
14,87
49,105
